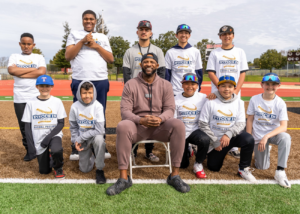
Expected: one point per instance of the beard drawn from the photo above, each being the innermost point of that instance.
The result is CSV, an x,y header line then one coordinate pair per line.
x,y
148,75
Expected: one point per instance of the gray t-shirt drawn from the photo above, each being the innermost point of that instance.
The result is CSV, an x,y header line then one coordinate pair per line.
x,y
133,57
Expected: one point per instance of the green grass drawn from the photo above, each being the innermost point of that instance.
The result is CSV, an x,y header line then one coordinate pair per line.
x,y
148,198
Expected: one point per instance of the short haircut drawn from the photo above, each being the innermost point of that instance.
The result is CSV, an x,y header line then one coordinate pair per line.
x,y
86,86
27,35
89,12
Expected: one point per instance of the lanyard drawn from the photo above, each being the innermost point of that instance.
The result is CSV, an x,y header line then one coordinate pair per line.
x,y
141,50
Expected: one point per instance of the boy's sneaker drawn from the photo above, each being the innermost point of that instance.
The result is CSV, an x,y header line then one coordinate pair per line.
x,y
74,155
235,154
247,175
198,170
59,173
191,151
280,176
107,154
178,184
152,157
100,178
119,186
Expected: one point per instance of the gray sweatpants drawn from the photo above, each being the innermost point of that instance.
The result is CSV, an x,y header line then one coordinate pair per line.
x,y
262,159
87,159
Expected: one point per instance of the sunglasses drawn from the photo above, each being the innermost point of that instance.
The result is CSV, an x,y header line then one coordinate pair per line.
x,y
271,78
190,78
184,27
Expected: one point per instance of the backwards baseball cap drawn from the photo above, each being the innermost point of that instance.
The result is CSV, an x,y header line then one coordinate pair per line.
x,y
189,77
146,56
183,27
227,78
225,29
270,77
44,80
145,23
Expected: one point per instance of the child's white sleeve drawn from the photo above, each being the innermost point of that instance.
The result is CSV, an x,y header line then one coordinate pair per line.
x,y
211,64
205,112
70,40
241,114
12,60
243,64
283,115
61,111
27,115
251,108
99,114
41,62
168,61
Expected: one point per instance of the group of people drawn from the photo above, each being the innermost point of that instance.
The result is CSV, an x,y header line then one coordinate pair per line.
x,y
161,101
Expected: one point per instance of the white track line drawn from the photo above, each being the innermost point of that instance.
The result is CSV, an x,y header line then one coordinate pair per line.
x,y
135,181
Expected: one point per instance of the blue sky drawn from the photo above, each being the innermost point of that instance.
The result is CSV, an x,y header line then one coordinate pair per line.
x,y
259,25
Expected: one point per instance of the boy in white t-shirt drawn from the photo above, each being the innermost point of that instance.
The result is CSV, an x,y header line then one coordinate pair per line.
x,y
182,59
223,120
267,122
25,68
188,107
227,60
44,119
87,130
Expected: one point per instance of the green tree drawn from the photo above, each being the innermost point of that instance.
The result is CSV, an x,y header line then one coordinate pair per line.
x,y
37,51
256,62
59,59
202,47
119,47
165,41
272,59
100,22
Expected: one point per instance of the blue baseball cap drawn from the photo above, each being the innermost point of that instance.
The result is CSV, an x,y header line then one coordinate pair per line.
x,y
44,80
271,77
227,78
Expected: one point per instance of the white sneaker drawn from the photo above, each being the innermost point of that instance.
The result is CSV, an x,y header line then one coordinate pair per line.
x,y
280,176
198,170
74,157
107,155
247,175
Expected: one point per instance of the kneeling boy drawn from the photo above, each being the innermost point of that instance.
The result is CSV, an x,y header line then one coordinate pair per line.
x,y
223,120
188,108
44,119
267,122
87,130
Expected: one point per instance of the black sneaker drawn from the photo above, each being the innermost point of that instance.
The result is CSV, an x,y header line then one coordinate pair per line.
x,y
178,184
74,155
119,186
100,178
59,173
26,157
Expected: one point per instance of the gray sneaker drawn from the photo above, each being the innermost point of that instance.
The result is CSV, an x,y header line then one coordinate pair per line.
x,y
178,184
152,157
119,186
235,154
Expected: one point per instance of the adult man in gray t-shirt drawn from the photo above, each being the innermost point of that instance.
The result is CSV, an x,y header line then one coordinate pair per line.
x,y
131,66
133,55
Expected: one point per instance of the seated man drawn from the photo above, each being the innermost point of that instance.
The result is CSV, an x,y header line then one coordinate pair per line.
x,y
147,110
223,120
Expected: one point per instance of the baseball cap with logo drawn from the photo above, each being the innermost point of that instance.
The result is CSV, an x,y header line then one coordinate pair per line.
x,y
225,29
145,23
270,77
190,77
44,80
227,78
183,27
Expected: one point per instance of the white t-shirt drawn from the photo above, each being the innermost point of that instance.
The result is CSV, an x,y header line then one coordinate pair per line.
x,y
182,61
222,116
86,116
188,109
267,115
24,88
43,116
231,62
89,64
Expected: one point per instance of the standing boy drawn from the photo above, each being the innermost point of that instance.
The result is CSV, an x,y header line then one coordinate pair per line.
x,y
223,120
182,59
44,119
87,130
89,52
132,66
227,60
267,122
188,108
25,68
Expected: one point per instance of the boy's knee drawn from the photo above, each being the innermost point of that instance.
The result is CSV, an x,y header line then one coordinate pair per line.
x,y
99,140
213,168
204,140
285,138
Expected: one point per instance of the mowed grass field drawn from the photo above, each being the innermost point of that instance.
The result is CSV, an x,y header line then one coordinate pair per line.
x,y
148,198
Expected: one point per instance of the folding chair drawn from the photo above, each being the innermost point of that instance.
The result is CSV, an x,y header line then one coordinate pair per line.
x,y
168,156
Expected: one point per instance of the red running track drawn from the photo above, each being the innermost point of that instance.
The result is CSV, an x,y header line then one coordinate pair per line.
x,y
62,88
